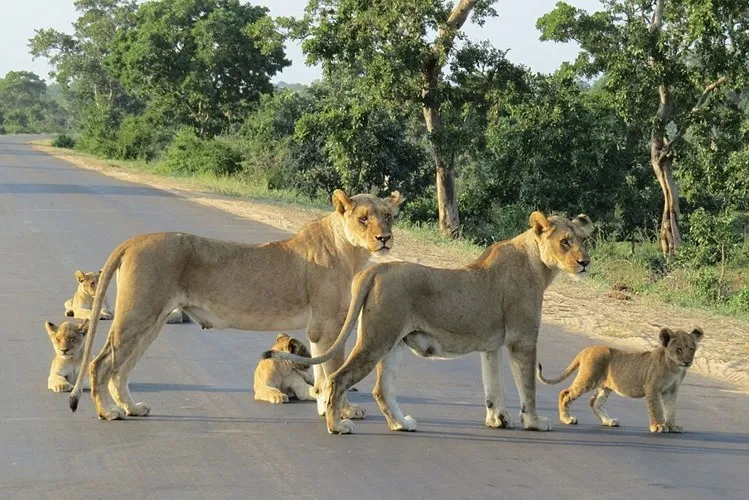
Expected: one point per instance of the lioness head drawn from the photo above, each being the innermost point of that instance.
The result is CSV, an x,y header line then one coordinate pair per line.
x,y
562,242
680,345
88,281
368,220
67,339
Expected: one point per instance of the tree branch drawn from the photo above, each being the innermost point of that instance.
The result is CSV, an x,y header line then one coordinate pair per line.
x,y
657,22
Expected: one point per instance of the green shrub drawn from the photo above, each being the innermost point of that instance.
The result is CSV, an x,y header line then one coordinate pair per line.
x,y
139,139
707,285
64,141
189,154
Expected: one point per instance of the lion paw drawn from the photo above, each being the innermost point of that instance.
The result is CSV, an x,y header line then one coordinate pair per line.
x,y
408,424
535,423
499,419
112,413
139,410
60,387
69,313
658,428
278,399
568,420
611,422
353,411
322,403
106,315
675,428
345,426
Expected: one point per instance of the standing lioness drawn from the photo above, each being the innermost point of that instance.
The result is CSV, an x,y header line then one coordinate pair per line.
x,y
304,281
443,313
655,375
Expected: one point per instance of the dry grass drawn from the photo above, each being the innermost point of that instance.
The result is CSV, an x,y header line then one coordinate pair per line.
x,y
581,308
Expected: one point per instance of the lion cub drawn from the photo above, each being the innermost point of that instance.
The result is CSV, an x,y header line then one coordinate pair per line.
x,y
655,375
67,339
277,379
80,305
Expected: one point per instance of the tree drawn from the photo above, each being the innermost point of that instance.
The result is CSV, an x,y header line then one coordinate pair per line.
x,y
663,60
399,49
25,106
201,61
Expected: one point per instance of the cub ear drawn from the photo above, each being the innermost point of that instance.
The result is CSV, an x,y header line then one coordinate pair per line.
x,y
298,348
341,202
80,276
83,327
539,222
281,336
665,336
50,327
697,334
584,223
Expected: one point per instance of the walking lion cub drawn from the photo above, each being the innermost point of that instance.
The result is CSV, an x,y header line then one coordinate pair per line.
x,y
655,375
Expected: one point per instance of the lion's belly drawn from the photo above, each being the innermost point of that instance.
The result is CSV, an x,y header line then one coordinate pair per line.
x,y
449,346
243,320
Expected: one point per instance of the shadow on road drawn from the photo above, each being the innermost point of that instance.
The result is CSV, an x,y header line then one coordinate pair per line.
x,y
80,189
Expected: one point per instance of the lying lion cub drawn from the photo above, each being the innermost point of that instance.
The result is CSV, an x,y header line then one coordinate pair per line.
x,y
67,339
277,379
656,375
80,305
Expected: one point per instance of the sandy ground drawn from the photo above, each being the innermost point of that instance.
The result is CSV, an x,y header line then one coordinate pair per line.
x,y
581,308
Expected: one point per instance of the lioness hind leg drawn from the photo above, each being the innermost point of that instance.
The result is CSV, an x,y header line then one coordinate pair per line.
x,y
100,372
598,405
119,386
384,391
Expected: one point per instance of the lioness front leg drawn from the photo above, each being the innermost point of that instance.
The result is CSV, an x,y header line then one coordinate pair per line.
x,y
494,390
669,407
384,391
523,364
655,410
58,383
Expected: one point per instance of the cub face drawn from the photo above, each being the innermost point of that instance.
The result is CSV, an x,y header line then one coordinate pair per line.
x,y
88,281
68,338
680,345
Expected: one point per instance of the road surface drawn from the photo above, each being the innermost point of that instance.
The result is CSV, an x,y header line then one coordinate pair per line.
x,y
206,436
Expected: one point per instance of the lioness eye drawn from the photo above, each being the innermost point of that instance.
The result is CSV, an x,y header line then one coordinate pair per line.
x,y
363,220
565,242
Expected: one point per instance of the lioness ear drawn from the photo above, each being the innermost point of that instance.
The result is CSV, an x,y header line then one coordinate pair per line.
x,y
341,202
697,334
281,336
539,222
83,327
80,276
50,327
583,222
665,336
396,199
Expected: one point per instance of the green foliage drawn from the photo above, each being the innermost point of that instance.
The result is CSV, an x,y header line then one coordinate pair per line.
x,y
714,238
25,106
201,62
189,154
64,141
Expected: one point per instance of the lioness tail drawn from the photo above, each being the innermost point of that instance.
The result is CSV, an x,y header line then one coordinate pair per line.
x,y
360,288
566,373
111,266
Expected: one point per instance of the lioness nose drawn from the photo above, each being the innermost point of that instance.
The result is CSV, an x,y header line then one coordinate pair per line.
x,y
383,238
584,262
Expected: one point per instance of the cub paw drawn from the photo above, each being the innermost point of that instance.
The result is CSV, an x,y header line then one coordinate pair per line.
x,y
139,410
345,426
353,411
112,413
498,420
69,313
569,420
658,428
278,399
675,428
535,423
106,315
408,425
611,422
61,387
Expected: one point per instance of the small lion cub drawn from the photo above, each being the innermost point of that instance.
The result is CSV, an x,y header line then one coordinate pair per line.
x,y
80,305
277,379
67,339
655,375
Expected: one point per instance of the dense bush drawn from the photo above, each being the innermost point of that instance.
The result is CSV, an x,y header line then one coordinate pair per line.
x,y
189,154
64,141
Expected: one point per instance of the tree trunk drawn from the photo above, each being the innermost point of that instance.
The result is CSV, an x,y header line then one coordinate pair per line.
x,y
670,236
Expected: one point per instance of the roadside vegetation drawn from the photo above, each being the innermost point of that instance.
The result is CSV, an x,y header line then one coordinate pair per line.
x,y
646,131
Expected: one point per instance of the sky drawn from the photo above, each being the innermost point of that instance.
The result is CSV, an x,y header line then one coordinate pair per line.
x,y
514,29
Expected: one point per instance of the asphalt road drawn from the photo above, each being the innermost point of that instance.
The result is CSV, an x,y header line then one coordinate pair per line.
x,y
206,436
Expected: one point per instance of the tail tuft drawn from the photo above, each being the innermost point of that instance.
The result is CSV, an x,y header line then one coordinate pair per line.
x,y
268,355
74,402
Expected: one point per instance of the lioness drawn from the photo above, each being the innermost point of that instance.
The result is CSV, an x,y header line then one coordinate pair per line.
x,y
67,339
277,379
444,313
655,375
80,305
281,285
